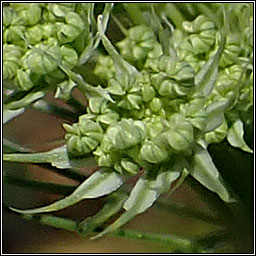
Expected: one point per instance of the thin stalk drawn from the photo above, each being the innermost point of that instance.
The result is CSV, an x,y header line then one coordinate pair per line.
x,y
174,14
176,243
134,13
120,25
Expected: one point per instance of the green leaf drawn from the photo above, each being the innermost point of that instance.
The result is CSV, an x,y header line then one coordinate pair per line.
x,y
112,207
57,157
102,182
215,115
143,195
121,65
89,90
207,75
64,90
205,171
8,114
26,101
235,136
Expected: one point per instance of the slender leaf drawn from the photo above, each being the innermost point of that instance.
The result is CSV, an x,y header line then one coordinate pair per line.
x,y
235,136
113,206
26,101
89,90
8,114
121,65
207,174
57,157
102,182
206,77
94,41
215,115
143,195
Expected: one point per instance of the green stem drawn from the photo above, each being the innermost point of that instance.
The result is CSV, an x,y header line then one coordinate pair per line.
x,y
134,13
182,245
174,14
120,25
27,158
178,244
111,207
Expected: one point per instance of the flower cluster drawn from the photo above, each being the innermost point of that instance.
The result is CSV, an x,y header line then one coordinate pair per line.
x,y
38,37
167,107
168,92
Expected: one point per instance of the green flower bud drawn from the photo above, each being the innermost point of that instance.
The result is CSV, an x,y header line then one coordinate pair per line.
x,y
194,111
129,166
155,105
75,20
23,79
148,93
139,42
67,33
69,57
48,16
96,103
152,153
9,70
185,73
154,126
218,134
8,14
108,118
64,89
171,89
13,34
11,60
180,133
48,30
126,133
198,45
30,14
143,81
130,101
104,67
61,9
115,87
39,62
34,34
231,51
83,137
199,24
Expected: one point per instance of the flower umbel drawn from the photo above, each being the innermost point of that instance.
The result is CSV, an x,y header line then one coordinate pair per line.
x,y
158,106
